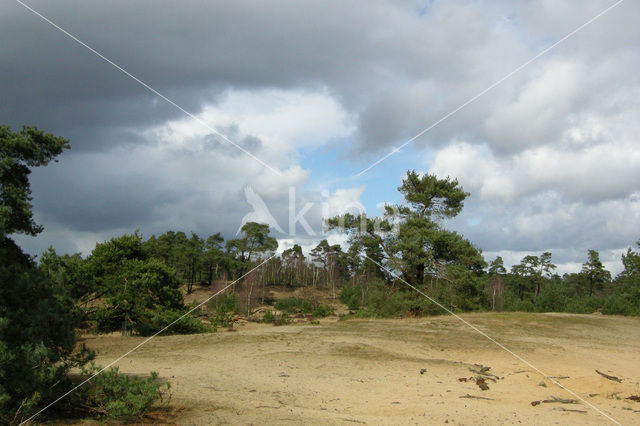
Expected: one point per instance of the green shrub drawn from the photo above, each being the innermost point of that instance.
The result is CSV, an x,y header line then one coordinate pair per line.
x,y
159,318
268,317
116,395
512,302
224,308
583,305
350,295
619,305
378,299
385,302
294,305
225,302
322,311
282,319
276,319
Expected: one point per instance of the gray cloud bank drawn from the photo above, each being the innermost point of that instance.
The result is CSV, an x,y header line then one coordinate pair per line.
x,y
551,155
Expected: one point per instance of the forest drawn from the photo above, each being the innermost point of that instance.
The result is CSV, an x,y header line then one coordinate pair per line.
x,y
138,286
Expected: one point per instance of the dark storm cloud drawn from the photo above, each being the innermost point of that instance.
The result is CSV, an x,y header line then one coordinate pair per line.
x,y
379,59
92,195
192,51
185,50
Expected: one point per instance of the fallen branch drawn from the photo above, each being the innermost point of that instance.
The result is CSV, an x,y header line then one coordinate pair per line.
x,y
635,398
483,371
606,376
558,377
475,397
555,399
570,410
482,368
560,400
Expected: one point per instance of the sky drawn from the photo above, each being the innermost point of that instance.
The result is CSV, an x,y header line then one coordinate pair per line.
x,y
287,102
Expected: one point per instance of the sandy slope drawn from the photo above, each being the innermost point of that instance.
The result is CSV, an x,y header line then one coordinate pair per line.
x,y
368,371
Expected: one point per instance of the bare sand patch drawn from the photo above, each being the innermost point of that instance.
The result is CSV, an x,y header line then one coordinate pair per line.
x,y
400,371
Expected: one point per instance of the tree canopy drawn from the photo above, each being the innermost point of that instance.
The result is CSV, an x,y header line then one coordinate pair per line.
x,y
19,152
409,237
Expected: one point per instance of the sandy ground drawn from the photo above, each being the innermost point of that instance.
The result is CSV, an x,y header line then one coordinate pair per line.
x,y
400,371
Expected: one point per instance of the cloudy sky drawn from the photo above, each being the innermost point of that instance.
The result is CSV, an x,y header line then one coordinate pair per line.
x,y
318,91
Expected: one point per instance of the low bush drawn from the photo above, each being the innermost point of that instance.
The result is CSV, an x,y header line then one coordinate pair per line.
x,y
276,319
379,300
157,319
294,305
112,394
322,311
223,307
268,317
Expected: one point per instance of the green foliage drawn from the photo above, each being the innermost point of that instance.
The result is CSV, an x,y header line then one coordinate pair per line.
x,y
255,241
496,267
141,295
226,302
19,152
351,295
620,305
268,316
440,198
159,318
408,238
594,273
67,273
37,317
37,337
518,305
583,305
530,274
294,305
381,301
276,319
322,311
115,395
464,289
552,298
224,306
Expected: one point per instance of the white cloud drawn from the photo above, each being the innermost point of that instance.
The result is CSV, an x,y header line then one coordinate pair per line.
x,y
587,174
343,200
283,120
540,110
